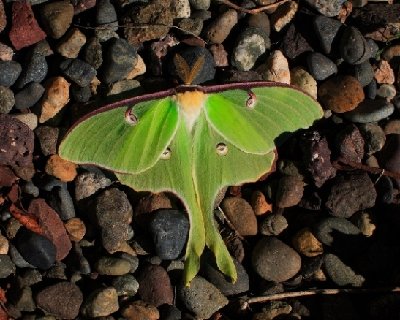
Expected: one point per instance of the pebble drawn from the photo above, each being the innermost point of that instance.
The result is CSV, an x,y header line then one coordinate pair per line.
x,y
25,29
112,266
133,260
114,214
273,224
387,91
364,73
29,277
81,94
326,30
370,111
93,52
62,203
62,300
24,301
4,245
306,243
283,15
259,203
191,55
210,271
76,229
35,69
57,17
138,69
371,89
29,96
155,286
294,44
48,138
390,52
18,260
200,4
72,43
273,260
6,52
105,12
88,183
350,143
330,230
241,215
100,303
201,297
289,191
3,17
392,127
353,46
320,67
10,71
273,310
220,28
60,168
120,57
277,68
55,98
181,9
364,222
30,119
326,7
251,43
36,249
351,193
304,81
78,71
7,99
191,26
7,267
169,230
126,285
341,93
340,273
140,310
384,72
149,203
168,312
260,20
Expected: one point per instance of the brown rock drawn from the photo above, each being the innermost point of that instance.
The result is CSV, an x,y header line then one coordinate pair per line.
x,y
25,30
277,68
220,55
149,203
384,72
341,93
3,17
220,28
60,168
289,192
155,286
7,177
283,15
6,52
391,52
57,17
140,310
259,204
76,229
52,226
241,215
55,98
72,43
100,303
306,243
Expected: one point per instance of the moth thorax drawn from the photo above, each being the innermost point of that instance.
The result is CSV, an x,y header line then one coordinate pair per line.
x,y
190,103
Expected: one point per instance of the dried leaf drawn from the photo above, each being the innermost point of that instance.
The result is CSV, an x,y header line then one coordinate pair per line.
x,y
182,68
195,69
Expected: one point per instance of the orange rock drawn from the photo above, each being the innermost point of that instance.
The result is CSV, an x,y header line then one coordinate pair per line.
x,y
138,310
76,229
241,215
56,97
60,168
341,93
307,244
384,73
259,204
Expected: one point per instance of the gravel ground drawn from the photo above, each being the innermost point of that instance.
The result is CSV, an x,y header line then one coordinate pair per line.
x,y
315,239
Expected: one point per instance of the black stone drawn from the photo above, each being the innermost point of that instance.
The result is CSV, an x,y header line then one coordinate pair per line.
x,y
9,72
78,71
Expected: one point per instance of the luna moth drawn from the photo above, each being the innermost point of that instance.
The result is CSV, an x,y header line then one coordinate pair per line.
x,y
192,141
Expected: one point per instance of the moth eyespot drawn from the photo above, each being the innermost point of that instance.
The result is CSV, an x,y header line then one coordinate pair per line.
x,y
251,100
166,154
130,117
222,149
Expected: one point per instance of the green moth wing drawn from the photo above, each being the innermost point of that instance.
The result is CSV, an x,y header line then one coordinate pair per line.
x,y
253,120
107,139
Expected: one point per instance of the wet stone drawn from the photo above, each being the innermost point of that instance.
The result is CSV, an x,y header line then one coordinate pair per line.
x,y
7,267
35,249
370,111
251,44
88,183
241,215
62,300
274,260
7,99
48,138
220,28
326,30
29,96
155,286
100,303
201,297
364,73
126,285
340,273
330,230
320,66
10,71
78,71
169,229
120,57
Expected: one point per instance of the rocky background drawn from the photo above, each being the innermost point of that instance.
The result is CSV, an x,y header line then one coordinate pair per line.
x,y
75,244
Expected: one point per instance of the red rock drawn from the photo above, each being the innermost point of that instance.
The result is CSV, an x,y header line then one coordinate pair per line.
x,y
25,30
52,226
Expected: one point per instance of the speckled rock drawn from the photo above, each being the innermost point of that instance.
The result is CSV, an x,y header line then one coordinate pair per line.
x,y
283,15
384,72
364,73
341,93
10,71
100,303
220,28
7,267
326,7
241,215
88,183
340,273
259,203
251,44
57,17
48,137
350,143
294,44
320,66
62,300
303,80
92,52
55,98
326,30
370,111
201,298
126,285
274,260
7,99
30,119
6,52
78,71
3,17
72,43
29,96
374,137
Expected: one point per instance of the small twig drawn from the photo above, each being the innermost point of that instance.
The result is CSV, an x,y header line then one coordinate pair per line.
x,y
244,304
255,10
343,164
